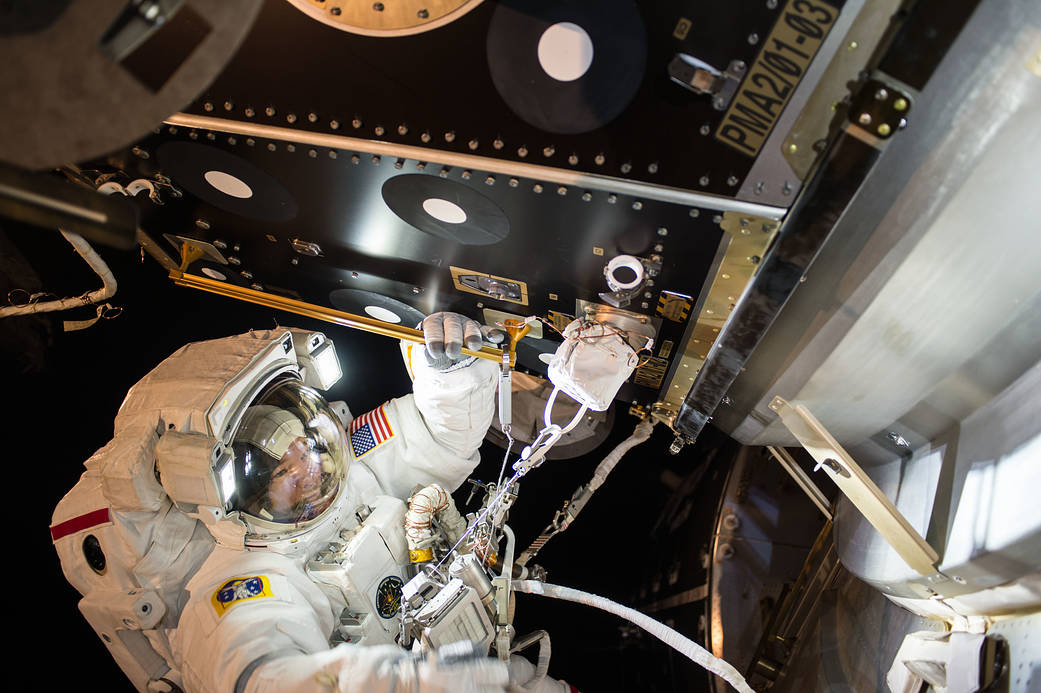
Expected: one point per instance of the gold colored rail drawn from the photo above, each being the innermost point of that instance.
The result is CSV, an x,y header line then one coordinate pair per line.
x,y
311,310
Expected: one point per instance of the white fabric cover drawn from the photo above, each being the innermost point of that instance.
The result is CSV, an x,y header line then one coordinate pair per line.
x,y
591,363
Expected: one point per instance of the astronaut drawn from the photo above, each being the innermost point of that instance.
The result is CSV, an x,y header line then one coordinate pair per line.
x,y
298,587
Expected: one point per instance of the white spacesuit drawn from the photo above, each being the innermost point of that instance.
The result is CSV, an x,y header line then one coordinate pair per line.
x,y
296,584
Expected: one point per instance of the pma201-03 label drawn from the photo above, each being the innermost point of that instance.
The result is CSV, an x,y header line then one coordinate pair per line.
x,y
777,69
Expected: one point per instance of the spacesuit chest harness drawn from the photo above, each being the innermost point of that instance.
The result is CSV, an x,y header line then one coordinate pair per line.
x,y
362,570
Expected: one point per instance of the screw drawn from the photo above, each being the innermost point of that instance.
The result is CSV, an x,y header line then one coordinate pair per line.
x,y
884,129
334,124
864,119
652,168
312,153
449,136
207,106
694,213
473,144
466,175
537,188
378,6
402,130
899,439
522,152
355,159
637,205
497,143
269,111
271,146
598,159
659,248
573,159
732,181
703,180
490,180
249,112
335,11
140,153
753,39
881,95
376,160
202,224
548,151
228,105
787,189
423,14
424,137
792,148
513,182
587,196
378,130
771,4
612,198
356,123
562,190
900,104
291,118
662,231
705,129
416,290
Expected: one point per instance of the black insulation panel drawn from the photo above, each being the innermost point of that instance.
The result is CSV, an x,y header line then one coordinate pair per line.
x,y
477,81
557,243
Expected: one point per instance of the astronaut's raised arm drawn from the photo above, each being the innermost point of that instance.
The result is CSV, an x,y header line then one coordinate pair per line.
x,y
433,434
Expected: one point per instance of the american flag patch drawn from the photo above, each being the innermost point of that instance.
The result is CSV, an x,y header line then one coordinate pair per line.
x,y
369,431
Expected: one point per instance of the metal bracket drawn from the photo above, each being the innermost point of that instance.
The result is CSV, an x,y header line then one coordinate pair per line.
x,y
858,487
803,480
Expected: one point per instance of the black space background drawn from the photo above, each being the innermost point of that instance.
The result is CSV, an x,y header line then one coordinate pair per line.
x,y
62,391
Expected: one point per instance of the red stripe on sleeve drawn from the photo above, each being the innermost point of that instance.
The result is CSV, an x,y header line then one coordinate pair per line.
x,y
80,523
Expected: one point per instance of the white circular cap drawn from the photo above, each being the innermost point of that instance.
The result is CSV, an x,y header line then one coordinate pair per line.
x,y
565,51
228,184
629,262
213,274
382,314
443,210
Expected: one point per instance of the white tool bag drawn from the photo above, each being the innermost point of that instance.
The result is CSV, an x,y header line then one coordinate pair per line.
x,y
592,362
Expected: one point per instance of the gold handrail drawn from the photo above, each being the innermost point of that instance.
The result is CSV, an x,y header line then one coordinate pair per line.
x,y
311,310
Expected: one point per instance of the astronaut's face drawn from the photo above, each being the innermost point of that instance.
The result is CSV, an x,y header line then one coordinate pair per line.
x,y
297,480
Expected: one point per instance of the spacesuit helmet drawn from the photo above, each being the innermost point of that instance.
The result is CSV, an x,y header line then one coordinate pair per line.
x,y
290,460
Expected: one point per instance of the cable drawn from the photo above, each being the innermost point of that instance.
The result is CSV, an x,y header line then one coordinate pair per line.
x,y
690,649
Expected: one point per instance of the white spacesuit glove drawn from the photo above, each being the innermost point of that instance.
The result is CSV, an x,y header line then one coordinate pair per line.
x,y
455,668
446,334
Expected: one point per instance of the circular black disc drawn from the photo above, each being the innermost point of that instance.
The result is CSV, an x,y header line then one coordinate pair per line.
x,y
379,306
587,102
484,223
226,181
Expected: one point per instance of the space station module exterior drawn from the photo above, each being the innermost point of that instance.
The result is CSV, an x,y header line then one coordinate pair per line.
x,y
182,595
